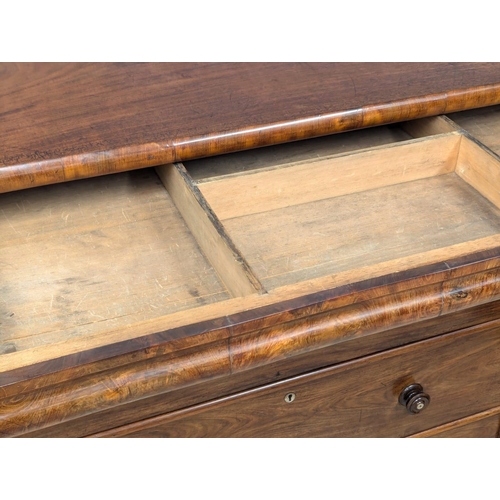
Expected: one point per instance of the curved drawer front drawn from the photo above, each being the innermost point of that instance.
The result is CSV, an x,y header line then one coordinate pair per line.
x,y
459,371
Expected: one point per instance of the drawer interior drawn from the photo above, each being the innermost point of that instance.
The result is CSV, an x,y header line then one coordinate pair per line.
x,y
483,124
87,263
283,154
80,257
322,216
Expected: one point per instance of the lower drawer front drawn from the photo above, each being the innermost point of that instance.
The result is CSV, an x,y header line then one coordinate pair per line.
x,y
459,371
482,425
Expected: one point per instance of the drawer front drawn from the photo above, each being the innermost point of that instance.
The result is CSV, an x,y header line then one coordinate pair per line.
x,y
482,425
484,428
459,371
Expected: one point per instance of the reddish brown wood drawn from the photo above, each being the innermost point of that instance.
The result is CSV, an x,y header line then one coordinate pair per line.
x,y
63,121
54,404
281,370
355,399
51,405
481,425
172,342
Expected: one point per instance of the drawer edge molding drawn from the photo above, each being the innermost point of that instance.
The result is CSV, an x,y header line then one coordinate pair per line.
x,y
362,390
62,402
463,422
14,177
362,319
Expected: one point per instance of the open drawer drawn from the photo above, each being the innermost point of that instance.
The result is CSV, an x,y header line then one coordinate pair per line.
x,y
358,214
90,263
83,257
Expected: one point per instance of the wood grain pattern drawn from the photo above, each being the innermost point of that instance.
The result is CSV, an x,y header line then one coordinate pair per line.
x,y
355,399
481,425
483,124
322,178
165,363
68,121
57,360
20,227
86,257
226,259
360,319
34,368
411,220
103,390
293,152
54,404
326,216
269,373
480,169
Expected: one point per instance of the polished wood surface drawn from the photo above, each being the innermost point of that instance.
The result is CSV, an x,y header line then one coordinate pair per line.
x,y
283,154
283,369
63,121
280,219
356,399
82,385
35,404
485,424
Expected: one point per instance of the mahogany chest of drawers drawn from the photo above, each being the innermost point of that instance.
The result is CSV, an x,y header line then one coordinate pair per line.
x,y
345,285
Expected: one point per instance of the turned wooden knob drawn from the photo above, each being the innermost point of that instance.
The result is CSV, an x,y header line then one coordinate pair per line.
x,y
414,398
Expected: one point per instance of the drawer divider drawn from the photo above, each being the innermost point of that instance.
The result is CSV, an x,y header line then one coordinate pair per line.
x,y
210,234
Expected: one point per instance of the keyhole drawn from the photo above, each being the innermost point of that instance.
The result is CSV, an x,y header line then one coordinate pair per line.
x,y
290,397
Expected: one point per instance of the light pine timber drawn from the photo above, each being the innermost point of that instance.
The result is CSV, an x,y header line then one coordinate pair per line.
x,y
56,344
263,191
303,242
483,124
85,257
209,232
160,374
98,332
480,169
433,125
94,329
283,154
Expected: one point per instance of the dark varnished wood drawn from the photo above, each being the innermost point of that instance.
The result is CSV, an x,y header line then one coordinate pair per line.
x,y
172,369
155,375
481,425
61,121
65,367
355,399
267,374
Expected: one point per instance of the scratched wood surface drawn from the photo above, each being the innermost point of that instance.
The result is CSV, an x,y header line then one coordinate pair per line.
x,y
107,232
299,221
307,241
78,258
64,121
43,401
125,360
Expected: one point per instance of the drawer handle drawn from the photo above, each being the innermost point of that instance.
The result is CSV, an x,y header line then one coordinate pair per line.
x,y
414,398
